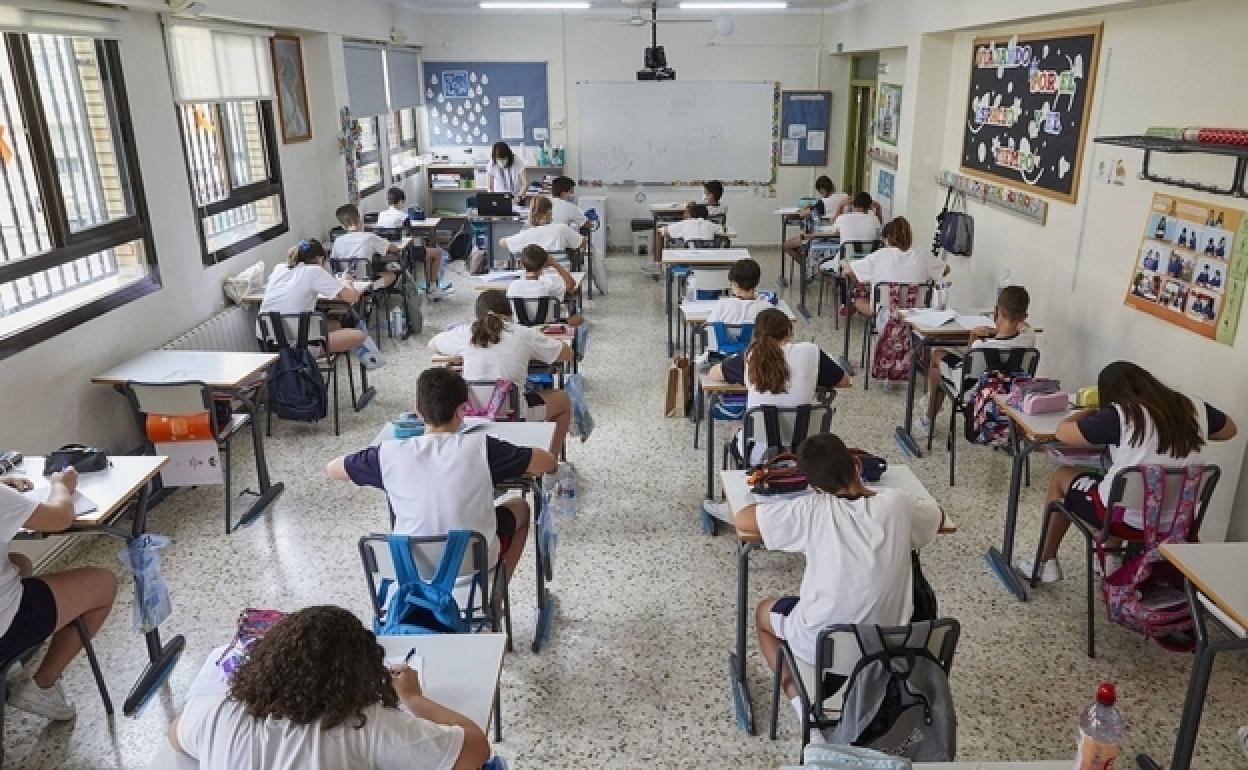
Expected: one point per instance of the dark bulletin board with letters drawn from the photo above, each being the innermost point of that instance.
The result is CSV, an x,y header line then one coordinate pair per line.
x,y
475,103
1027,112
804,120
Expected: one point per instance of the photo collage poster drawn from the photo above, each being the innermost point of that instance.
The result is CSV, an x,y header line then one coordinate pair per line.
x,y
1192,266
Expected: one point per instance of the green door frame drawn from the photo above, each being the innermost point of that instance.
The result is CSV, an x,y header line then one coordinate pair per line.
x,y
855,155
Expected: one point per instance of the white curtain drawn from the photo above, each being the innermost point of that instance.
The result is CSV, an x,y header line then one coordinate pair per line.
x,y
217,64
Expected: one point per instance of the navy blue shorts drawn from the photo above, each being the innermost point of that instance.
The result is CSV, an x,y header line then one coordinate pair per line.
x,y
34,622
1084,500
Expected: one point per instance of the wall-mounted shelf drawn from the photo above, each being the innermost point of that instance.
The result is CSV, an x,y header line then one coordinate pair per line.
x,y
1151,144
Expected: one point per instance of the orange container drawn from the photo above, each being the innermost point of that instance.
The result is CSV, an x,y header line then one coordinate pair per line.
x,y
182,427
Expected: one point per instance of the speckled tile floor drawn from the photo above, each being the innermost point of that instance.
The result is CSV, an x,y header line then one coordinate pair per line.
x,y
636,676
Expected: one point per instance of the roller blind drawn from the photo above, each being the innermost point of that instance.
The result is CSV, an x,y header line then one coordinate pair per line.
x,y
52,18
403,68
366,80
219,64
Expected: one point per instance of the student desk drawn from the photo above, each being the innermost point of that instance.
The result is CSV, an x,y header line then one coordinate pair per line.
x,y
789,215
739,496
710,390
461,672
256,297
1028,432
1217,587
126,480
424,228
695,313
534,435
234,373
693,258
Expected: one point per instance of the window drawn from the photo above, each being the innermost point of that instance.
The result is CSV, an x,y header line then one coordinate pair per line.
x,y
231,156
401,137
368,175
74,237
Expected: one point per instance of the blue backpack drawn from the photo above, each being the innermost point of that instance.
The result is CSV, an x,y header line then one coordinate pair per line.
x,y
418,607
296,386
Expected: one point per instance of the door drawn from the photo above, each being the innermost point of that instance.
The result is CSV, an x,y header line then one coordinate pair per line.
x,y
857,163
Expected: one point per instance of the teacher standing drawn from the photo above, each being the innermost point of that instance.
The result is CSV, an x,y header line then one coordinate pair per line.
x,y
506,172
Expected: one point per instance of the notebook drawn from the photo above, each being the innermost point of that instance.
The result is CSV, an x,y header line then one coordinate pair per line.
x,y
82,504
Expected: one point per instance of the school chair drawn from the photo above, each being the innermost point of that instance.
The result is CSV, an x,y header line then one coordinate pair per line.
x,y
902,296
783,428
535,311
825,686
848,251
481,608
975,363
1127,491
681,272
481,392
317,337
719,219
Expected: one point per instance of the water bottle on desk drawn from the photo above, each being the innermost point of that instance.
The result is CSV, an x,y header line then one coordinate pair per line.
x,y
1100,731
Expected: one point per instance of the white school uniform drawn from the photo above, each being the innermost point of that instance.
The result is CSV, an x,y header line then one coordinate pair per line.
x,y
857,558
293,290
555,238
857,226
506,179
358,248
507,359
545,285
566,213
832,203
15,510
732,310
391,219
1026,338
892,265
715,211
694,230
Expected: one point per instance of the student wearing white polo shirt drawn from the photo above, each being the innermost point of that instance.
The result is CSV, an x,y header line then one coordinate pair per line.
x,y
696,226
565,212
33,609
857,544
506,173
394,215
296,286
742,304
554,237
358,246
495,347
445,479
860,224
897,262
537,283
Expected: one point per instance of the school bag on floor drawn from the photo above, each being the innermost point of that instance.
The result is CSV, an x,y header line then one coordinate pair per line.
x,y
891,360
410,290
417,606
296,385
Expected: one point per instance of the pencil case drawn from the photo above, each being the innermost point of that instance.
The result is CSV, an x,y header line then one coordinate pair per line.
x,y
1042,403
408,425
1088,397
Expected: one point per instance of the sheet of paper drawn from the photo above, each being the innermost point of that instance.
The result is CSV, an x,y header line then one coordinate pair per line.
x,y
797,131
511,124
974,321
511,102
82,504
815,140
789,149
931,317
541,134
505,276
191,463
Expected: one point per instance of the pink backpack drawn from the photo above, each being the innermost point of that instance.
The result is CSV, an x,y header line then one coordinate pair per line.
x,y
892,352
1146,593
490,409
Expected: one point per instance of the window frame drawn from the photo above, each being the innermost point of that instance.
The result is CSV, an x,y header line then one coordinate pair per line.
x,y
241,195
67,244
371,157
402,146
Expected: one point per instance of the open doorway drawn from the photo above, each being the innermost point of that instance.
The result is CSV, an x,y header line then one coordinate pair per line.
x,y
861,111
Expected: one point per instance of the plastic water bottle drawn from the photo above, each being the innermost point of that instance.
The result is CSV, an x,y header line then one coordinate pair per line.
x,y
691,288
1100,731
398,320
369,354
565,490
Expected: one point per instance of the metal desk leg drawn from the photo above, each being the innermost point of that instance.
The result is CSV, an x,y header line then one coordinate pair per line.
x,y
710,445
589,269
784,231
268,490
905,438
545,600
742,708
668,291
1001,561
699,404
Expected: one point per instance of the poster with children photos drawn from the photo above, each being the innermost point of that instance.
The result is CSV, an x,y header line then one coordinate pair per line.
x,y
1192,266
470,104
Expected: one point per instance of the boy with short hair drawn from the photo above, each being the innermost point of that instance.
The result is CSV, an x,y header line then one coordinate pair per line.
x,y
1011,331
861,223
358,245
394,216
712,194
564,211
742,304
445,479
536,283
696,226
857,543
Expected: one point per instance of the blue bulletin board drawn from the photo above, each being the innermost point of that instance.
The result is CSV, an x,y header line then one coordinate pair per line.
x,y
474,104
804,120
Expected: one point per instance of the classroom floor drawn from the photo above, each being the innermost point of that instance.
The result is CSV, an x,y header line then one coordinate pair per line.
x,y
636,675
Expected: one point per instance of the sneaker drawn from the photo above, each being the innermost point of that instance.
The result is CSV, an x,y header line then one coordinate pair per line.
x,y
436,294
1050,571
717,510
49,703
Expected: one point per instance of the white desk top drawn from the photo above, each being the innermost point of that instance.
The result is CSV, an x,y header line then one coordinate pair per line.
x,y
787,211
953,328
534,435
424,224
704,256
256,297
216,369
109,489
461,672
696,311
1219,570
501,279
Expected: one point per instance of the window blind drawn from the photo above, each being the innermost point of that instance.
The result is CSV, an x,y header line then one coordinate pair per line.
x,y
53,18
403,69
366,80
213,64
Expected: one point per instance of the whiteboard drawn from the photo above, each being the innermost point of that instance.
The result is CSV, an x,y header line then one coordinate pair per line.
x,y
666,132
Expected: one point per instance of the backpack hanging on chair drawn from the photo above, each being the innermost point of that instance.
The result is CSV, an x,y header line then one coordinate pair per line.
x,y
987,423
419,607
891,360
296,385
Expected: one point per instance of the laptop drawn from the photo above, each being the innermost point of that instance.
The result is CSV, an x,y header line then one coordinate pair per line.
x,y
491,204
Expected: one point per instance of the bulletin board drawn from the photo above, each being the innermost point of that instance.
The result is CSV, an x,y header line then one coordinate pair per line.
x,y
474,104
1192,266
1027,109
804,120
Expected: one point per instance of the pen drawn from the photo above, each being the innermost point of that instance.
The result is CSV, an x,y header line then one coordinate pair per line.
x,y
410,653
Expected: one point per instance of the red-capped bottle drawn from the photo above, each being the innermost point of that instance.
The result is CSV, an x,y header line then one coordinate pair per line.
x,y
1100,731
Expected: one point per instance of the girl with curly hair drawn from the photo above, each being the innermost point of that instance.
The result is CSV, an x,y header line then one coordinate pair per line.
x,y
315,694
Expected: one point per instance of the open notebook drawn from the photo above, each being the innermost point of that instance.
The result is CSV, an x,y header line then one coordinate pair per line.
x,y
933,317
82,504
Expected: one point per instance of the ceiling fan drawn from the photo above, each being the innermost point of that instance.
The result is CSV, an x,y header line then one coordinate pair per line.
x,y
637,19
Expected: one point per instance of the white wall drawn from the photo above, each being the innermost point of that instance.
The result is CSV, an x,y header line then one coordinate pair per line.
x,y
763,47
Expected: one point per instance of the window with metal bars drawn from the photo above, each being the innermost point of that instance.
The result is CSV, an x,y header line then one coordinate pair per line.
x,y
233,169
401,139
368,174
74,235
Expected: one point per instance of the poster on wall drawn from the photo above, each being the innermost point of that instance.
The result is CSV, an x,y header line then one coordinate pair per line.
x,y
884,193
888,113
474,104
1192,266
1027,109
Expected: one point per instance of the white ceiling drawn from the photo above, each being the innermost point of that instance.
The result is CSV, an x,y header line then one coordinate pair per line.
x,y
619,7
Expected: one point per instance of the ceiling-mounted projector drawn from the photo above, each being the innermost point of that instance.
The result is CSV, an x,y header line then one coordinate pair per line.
x,y
656,65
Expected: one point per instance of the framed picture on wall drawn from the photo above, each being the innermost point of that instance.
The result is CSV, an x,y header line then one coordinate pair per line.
x,y
888,113
292,91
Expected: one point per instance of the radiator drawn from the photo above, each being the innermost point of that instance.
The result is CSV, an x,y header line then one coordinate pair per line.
x,y
232,330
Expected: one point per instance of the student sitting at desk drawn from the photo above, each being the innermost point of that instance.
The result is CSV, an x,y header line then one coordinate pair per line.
x,y
742,304
859,224
542,231
563,210
358,246
1011,331
857,543
495,347
712,195
897,262
506,173
536,283
1142,422
394,216
445,479
296,286
35,608
827,206
315,691
696,226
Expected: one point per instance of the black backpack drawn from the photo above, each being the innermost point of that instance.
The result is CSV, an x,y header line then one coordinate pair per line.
x,y
460,246
955,227
296,386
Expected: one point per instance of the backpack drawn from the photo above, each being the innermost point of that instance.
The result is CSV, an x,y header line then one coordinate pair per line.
x,y
1146,593
296,385
955,228
251,628
418,607
987,423
459,247
410,291
891,360
489,410
898,700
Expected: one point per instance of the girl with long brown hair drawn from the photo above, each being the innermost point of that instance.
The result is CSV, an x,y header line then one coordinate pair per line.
x,y
1141,421
897,262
